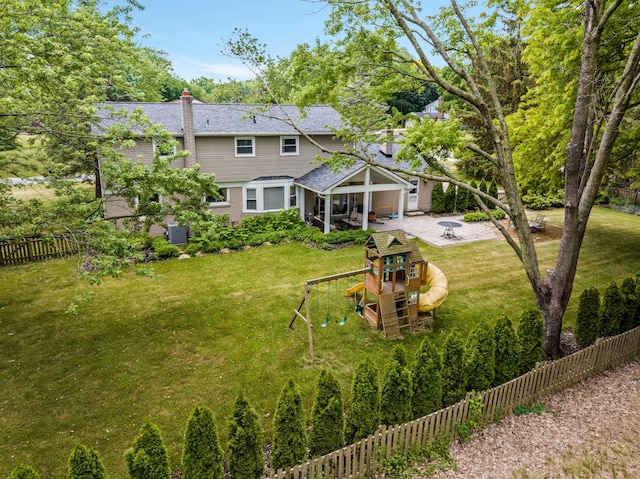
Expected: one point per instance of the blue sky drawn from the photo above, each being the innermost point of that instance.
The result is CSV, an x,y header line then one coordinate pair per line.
x,y
193,32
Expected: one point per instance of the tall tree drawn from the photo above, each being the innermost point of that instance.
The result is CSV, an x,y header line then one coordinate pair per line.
x,y
246,459
597,101
363,413
454,379
289,436
507,351
426,377
529,334
588,317
480,358
395,397
327,416
202,454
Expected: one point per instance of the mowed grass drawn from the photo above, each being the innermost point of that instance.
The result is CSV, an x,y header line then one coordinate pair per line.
x,y
209,327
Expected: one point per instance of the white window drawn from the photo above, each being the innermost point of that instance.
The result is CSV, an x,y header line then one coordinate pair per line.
x,y
269,195
222,199
163,147
288,145
245,146
252,199
293,197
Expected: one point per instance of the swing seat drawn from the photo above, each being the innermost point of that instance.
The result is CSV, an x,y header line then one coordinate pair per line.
x,y
326,323
343,322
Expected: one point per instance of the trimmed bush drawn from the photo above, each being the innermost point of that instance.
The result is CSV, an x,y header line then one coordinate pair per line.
x,y
611,311
399,353
202,454
482,216
289,436
395,399
438,201
507,352
493,192
164,249
464,200
426,376
24,471
453,372
327,420
85,463
472,204
479,358
246,459
530,334
148,458
450,198
588,317
364,409
631,300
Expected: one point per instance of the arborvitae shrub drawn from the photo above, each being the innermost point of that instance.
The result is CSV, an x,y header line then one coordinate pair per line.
x,y
438,201
472,204
85,463
628,290
450,198
202,454
426,376
289,435
636,320
612,310
364,408
507,352
588,317
244,449
24,471
454,380
327,420
479,358
530,334
395,399
493,191
399,353
148,458
464,199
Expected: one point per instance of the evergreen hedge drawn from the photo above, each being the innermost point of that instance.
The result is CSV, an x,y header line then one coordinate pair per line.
x,y
148,458
395,398
472,203
327,420
479,358
631,300
450,198
453,372
612,310
530,334
23,471
244,449
588,318
438,201
85,463
202,454
289,435
493,192
364,408
507,351
426,375
399,353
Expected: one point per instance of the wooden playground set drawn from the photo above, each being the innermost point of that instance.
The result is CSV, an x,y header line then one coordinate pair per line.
x,y
389,294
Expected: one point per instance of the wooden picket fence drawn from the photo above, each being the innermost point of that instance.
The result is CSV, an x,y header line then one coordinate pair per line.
x,y
362,459
35,248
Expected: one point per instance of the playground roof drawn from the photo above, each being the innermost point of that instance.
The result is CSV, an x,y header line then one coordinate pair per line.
x,y
393,242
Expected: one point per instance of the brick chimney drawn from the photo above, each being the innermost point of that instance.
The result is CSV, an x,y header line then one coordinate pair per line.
x,y
188,130
386,148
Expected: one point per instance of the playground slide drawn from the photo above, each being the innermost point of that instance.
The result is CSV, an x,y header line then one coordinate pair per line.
x,y
356,288
438,290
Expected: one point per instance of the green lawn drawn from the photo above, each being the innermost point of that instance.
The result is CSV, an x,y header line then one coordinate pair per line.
x,y
208,327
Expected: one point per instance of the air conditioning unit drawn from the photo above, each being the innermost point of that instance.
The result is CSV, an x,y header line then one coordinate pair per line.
x,y
176,234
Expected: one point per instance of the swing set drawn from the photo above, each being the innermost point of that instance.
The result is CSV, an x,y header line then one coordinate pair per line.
x,y
332,310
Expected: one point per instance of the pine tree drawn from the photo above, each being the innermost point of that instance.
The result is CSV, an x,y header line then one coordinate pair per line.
x,y
24,471
530,332
85,463
426,376
507,352
454,379
202,454
395,398
612,310
438,203
399,353
289,436
148,458
631,300
246,458
363,413
479,358
327,418
450,198
588,317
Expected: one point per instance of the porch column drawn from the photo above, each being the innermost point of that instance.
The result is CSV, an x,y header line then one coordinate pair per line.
x,y
301,195
365,199
400,207
327,213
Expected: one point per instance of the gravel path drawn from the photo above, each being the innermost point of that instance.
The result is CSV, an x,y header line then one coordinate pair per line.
x,y
591,430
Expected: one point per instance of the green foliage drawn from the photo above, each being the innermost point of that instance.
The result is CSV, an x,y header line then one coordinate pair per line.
x,y
438,199
399,353
395,397
289,436
426,375
476,420
327,419
363,412
587,327
542,202
246,459
23,471
454,380
530,331
85,463
507,352
479,358
493,191
523,409
612,310
465,200
477,167
202,454
472,204
482,216
450,198
631,303
164,249
148,458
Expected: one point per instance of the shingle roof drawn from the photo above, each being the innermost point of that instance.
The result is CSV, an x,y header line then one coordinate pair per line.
x,y
232,119
393,242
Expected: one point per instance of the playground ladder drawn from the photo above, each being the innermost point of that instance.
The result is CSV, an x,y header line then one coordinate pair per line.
x,y
389,316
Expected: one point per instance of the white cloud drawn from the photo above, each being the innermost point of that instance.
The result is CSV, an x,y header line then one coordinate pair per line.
x,y
190,69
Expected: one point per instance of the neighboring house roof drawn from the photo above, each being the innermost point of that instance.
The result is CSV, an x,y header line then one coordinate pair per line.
x,y
432,110
231,119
